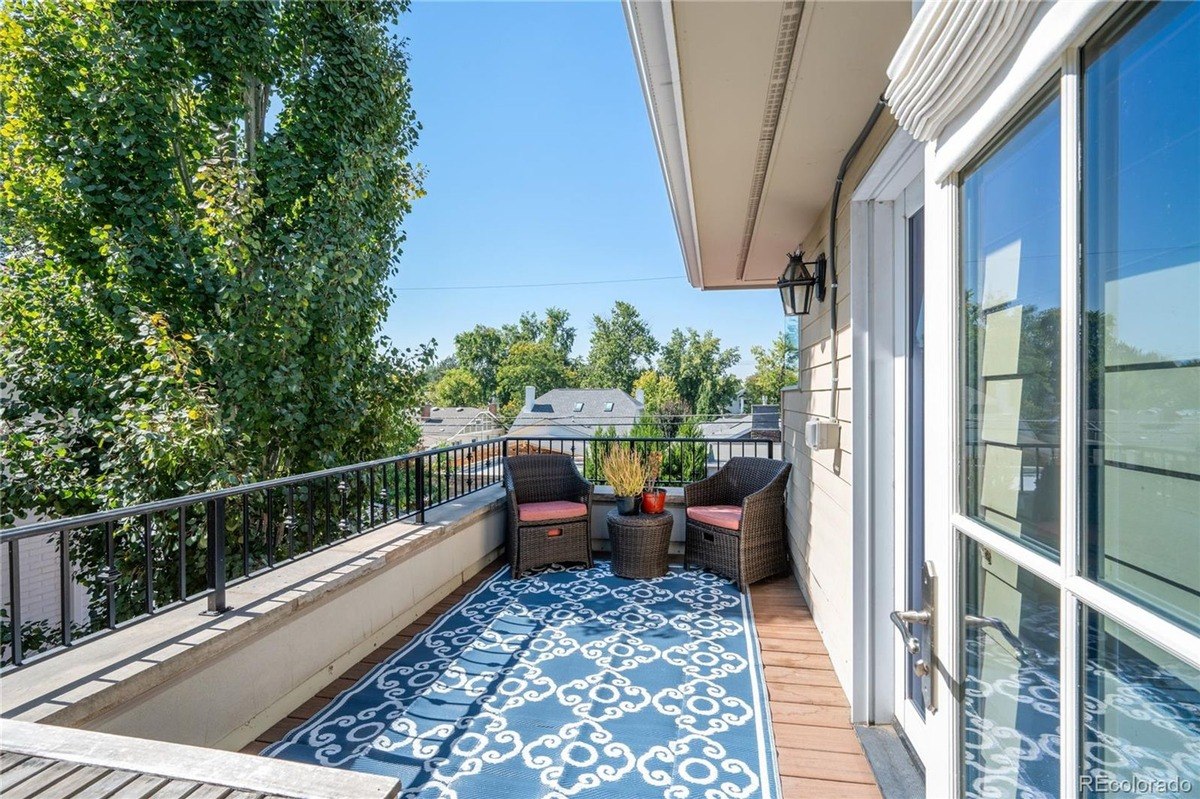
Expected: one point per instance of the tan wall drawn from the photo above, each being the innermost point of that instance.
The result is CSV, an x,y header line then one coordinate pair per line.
x,y
820,522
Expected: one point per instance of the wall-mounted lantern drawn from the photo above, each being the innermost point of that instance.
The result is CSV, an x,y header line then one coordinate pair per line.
x,y
800,282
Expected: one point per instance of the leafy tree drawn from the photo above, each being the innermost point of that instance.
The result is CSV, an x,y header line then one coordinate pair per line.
x,y
458,387
480,351
701,370
662,400
597,450
686,462
621,347
530,363
192,296
552,329
775,367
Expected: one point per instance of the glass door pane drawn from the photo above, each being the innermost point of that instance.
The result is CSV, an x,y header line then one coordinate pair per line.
x,y
1011,258
1141,717
1010,707
915,449
1141,262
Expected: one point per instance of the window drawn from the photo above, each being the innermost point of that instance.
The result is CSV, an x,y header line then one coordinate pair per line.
x,y
1011,254
608,406
1141,310
578,407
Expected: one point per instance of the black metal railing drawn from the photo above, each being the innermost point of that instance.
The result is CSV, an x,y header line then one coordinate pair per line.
x,y
161,554
685,460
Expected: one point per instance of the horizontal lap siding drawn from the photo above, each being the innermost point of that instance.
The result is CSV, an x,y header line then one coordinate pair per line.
x,y
820,501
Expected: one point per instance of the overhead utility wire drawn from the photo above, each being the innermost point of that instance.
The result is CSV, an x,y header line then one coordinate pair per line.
x,y
539,285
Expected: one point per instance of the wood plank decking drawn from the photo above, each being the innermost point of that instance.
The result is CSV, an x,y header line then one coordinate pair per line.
x,y
24,776
819,752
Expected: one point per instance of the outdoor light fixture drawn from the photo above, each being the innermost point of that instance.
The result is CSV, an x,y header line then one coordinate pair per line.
x,y
797,285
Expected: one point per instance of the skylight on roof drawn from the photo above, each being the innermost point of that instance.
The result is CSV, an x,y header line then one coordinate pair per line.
x,y
608,406
579,407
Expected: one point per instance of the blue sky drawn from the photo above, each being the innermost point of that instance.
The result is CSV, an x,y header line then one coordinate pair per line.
x,y
542,169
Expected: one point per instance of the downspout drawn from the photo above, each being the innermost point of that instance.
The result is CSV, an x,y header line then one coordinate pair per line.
x,y
833,279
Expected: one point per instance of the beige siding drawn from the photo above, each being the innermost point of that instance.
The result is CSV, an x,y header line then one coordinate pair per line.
x,y
820,507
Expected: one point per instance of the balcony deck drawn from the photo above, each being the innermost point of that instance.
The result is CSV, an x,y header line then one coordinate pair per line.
x,y
819,752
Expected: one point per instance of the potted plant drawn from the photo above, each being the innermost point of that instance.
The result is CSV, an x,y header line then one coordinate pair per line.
x,y
625,472
654,499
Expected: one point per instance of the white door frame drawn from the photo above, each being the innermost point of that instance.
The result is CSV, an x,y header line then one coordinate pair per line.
x,y
876,295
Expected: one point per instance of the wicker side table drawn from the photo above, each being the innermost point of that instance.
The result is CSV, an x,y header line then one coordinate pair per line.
x,y
639,544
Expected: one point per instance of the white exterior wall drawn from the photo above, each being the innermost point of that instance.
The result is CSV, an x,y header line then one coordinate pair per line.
x,y
820,513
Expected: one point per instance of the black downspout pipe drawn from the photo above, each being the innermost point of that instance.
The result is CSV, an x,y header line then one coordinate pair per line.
x,y
833,278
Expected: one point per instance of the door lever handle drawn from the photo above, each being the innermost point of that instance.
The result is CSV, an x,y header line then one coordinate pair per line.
x,y
903,618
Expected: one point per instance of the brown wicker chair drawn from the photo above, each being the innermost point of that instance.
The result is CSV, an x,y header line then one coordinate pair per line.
x,y
740,531
550,537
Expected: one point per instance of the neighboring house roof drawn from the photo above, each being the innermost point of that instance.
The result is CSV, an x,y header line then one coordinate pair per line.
x,y
727,427
446,423
565,412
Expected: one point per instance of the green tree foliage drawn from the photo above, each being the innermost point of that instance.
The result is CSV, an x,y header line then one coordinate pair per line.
x,y
597,450
686,462
662,400
775,366
458,387
701,370
530,363
622,346
535,349
190,296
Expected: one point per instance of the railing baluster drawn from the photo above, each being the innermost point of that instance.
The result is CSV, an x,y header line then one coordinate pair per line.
x,y
311,513
182,553
271,539
216,556
64,577
291,522
245,535
420,494
328,516
14,593
110,592
371,497
147,543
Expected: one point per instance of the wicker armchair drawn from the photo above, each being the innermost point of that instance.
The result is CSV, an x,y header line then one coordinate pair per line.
x,y
549,512
735,520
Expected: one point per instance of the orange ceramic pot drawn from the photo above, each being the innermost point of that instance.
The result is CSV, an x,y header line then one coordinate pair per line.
x,y
654,502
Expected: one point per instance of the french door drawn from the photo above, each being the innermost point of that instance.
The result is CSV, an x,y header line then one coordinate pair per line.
x,y
1065,412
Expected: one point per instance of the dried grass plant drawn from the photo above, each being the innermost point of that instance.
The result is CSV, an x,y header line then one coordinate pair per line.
x,y
624,471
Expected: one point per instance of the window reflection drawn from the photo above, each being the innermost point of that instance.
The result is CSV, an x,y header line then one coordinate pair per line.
x,y
1011,258
1141,263
1011,687
1141,717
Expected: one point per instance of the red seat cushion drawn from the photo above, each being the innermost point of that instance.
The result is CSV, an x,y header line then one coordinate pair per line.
x,y
550,511
727,516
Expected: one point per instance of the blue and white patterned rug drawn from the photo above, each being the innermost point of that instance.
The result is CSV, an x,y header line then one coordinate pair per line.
x,y
566,683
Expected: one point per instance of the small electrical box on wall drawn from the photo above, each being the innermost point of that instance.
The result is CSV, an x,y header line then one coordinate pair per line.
x,y
822,434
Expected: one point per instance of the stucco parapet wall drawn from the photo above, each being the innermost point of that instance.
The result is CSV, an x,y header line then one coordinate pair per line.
x,y
98,676
193,763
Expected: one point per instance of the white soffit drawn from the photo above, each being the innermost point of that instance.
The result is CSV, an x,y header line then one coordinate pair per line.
x,y
948,55
753,105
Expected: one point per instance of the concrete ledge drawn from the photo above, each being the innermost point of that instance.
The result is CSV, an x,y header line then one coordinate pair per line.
x,y
176,761
225,678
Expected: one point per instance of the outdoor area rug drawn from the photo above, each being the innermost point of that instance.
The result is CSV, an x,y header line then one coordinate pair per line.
x,y
567,682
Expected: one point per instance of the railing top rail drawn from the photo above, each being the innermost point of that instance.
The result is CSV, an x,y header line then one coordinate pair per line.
x,y
101,517
174,503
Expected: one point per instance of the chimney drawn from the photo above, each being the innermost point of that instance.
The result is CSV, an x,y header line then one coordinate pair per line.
x,y
426,411
639,396
493,407
530,393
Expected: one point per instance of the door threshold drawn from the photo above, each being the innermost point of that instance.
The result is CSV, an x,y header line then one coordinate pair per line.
x,y
897,771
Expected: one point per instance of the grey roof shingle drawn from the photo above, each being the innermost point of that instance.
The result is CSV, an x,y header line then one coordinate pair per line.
x,y
556,409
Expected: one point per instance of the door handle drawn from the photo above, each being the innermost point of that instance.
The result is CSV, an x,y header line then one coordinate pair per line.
x,y
903,618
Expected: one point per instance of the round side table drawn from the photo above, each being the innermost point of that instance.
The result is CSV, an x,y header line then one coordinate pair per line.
x,y
639,544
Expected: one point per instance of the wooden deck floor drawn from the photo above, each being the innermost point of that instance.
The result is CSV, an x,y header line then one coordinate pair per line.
x,y
24,776
819,752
